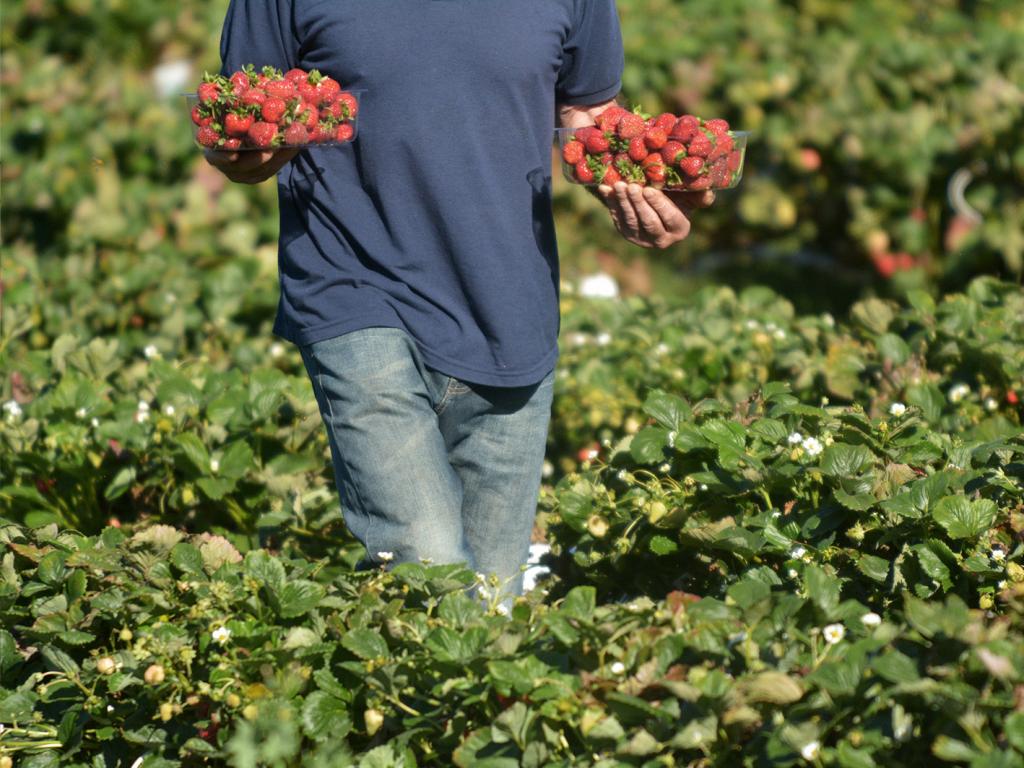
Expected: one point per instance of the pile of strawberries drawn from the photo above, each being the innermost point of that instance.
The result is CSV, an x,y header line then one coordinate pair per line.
x,y
267,109
665,151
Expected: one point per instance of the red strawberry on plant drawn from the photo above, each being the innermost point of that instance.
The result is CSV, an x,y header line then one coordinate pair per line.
x,y
237,123
273,109
208,136
263,135
691,165
638,151
717,127
630,126
573,152
655,138
296,134
673,152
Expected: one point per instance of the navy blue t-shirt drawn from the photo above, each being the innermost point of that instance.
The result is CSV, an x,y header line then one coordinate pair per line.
x,y
437,219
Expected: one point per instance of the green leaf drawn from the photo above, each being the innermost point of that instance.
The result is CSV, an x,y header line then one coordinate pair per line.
x,y
857,502
668,410
187,558
9,656
725,434
194,450
1014,728
121,483
963,518
323,715
838,677
892,347
365,643
298,597
823,588
260,565
648,445
895,667
928,398
580,603
850,757
237,460
56,659
874,315
953,750
51,569
749,592
873,567
662,545
842,460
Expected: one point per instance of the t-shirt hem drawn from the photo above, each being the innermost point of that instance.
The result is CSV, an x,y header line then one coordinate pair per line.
x,y
596,97
437,361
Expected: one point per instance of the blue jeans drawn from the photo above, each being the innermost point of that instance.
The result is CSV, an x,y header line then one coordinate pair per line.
x,y
428,466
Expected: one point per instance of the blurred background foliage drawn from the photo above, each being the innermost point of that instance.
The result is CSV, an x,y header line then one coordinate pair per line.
x,y
886,155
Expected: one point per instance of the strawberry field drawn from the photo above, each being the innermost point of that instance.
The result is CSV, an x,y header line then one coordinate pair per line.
x,y
786,524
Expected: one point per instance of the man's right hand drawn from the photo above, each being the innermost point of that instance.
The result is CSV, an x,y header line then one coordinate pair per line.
x,y
250,167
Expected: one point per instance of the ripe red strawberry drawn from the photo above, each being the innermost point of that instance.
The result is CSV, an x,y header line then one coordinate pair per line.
x,y
723,146
573,152
199,118
208,92
686,128
700,145
673,152
691,165
323,132
638,149
263,134
281,89
254,97
208,136
655,138
273,109
584,174
296,76
718,127
609,119
606,158
345,132
735,160
665,121
350,104
655,172
232,143
236,124
239,83
296,134
308,115
328,89
630,126
596,142
720,174
700,184
611,176
307,88
620,158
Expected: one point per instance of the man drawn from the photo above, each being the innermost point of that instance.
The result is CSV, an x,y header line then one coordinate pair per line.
x,y
418,267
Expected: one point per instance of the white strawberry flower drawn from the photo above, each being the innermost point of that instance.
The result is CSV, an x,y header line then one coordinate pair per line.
x,y
661,350
168,410
752,325
501,609
12,409
771,327
221,635
998,554
812,446
141,416
143,406
599,286
95,422
618,668
871,619
797,552
665,468
792,573
151,351
1002,584
810,750
958,392
603,339
386,557
834,633
779,334
81,413
991,404
577,339
547,469
276,350
795,438
703,486
897,409
214,466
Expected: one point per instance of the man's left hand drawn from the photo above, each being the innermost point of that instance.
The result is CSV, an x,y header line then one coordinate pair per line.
x,y
649,217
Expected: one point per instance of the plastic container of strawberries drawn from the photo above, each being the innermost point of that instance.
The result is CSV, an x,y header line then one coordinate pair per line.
x,y
272,112
679,154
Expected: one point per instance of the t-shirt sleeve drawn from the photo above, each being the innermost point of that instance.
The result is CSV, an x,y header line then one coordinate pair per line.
x,y
260,32
592,56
